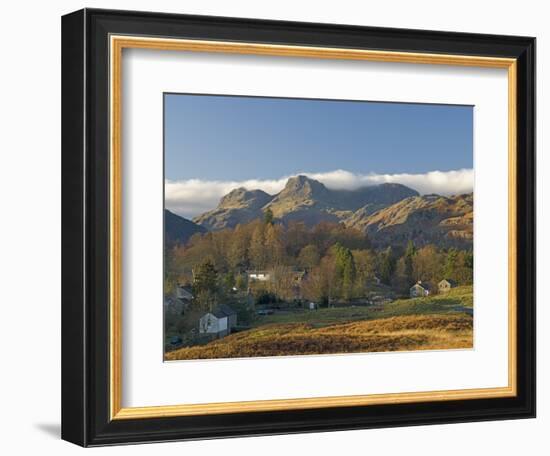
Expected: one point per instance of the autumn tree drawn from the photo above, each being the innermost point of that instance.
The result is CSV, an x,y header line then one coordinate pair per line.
x,y
296,237
320,284
365,269
237,252
200,247
257,251
309,257
282,282
274,247
365,264
428,264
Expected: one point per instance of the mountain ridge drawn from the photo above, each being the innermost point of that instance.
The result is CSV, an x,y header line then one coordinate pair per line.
x,y
304,199
422,219
178,229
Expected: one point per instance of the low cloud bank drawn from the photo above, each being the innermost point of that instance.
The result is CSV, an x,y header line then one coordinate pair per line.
x,y
192,197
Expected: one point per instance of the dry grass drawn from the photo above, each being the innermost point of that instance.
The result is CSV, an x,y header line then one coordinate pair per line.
x,y
401,333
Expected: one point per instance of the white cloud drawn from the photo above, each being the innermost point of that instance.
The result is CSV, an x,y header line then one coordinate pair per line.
x,y
194,196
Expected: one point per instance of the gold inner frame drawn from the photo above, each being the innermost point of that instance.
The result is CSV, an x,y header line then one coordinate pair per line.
x,y
117,44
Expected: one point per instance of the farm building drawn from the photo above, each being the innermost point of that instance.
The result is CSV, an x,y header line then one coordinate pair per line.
x,y
219,321
420,289
445,285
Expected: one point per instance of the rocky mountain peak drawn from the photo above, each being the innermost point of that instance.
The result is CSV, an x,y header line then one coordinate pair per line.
x,y
241,197
303,186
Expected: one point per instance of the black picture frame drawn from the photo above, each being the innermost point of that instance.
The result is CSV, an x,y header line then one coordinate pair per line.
x,y
85,225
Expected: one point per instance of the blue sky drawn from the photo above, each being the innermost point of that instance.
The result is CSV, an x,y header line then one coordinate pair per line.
x,y
214,144
223,137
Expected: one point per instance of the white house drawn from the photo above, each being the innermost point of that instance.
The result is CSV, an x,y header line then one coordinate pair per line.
x,y
420,289
262,276
219,321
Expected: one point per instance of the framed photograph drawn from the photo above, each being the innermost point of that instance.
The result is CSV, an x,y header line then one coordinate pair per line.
x,y
278,227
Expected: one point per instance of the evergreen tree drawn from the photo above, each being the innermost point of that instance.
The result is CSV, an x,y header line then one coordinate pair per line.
x,y
205,278
387,266
205,286
268,216
241,283
469,260
229,281
451,263
257,251
345,270
464,272
408,263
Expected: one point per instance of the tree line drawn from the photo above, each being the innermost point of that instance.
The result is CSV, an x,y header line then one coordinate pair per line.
x,y
339,262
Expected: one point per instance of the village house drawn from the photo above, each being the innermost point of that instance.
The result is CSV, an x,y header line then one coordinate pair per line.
x,y
265,276
262,276
420,289
174,306
180,302
219,322
445,285
184,292
290,278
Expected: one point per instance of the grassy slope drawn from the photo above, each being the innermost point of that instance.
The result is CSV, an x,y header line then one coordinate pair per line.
x,y
437,322
451,302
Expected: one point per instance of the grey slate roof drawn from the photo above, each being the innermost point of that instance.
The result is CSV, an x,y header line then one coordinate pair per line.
x,y
425,285
223,310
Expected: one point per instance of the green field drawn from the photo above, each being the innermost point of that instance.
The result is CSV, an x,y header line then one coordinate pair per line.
x,y
457,300
436,322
